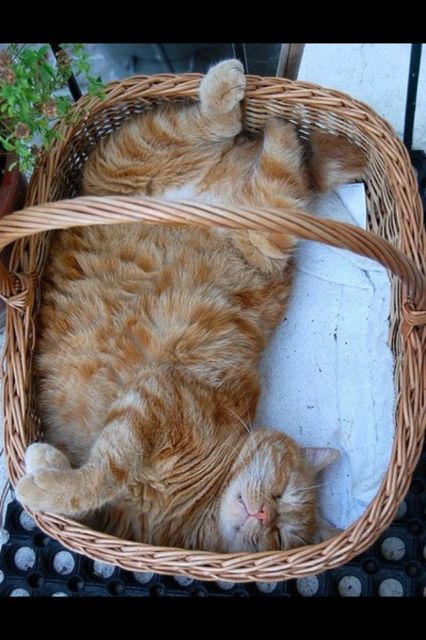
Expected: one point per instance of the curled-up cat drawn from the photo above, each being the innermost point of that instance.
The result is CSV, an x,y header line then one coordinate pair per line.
x,y
150,336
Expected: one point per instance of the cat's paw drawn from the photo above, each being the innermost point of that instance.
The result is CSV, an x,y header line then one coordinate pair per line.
x,y
44,490
41,455
223,87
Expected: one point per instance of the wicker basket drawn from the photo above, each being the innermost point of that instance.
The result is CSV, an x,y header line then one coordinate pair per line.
x,y
396,239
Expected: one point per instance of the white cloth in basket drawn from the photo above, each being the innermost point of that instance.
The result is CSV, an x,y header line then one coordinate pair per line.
x,y
327,375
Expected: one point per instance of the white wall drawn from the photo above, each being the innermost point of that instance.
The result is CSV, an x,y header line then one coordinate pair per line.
x,y
374,73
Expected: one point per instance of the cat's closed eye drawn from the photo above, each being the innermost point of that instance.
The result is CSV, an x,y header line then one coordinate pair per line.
x,y
277,538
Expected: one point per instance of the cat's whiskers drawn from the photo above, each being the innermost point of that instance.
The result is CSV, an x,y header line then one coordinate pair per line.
x,y
261,463
314,486
237,448
245,425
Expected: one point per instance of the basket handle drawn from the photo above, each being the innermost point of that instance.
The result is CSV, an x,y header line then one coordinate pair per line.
x,y
92,210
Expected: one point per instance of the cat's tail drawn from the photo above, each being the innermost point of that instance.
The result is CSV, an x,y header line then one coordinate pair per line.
x,y
334,160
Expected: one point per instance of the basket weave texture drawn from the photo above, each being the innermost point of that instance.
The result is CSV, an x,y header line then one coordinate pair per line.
x,y
396,238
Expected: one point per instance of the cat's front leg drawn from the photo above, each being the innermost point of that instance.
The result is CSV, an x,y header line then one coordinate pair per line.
x,y
68,491
113,465
43,488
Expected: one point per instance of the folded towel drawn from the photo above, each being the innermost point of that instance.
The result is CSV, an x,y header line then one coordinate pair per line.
x,y
327,375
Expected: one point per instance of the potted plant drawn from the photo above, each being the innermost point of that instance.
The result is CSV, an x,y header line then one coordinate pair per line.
x,y
33,96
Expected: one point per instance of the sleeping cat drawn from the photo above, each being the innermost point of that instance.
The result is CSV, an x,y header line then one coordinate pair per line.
x,y
150,337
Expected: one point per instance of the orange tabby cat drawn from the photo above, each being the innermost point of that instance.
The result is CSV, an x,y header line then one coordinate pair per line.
x,y
150,337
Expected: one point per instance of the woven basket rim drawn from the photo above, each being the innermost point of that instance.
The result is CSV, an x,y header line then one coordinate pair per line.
x,y
306,560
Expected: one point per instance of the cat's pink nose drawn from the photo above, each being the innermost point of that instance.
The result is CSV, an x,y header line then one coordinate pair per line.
x,y
262,515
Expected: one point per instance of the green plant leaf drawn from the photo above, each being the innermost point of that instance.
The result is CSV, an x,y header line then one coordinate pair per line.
x,y
6,145
43,50
48,69
34,84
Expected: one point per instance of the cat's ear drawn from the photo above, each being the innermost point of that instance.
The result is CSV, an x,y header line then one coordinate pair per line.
x,y
320,457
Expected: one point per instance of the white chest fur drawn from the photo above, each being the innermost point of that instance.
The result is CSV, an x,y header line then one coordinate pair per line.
x,y
189,192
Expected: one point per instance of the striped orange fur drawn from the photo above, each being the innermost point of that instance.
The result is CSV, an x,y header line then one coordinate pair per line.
x,y
149,337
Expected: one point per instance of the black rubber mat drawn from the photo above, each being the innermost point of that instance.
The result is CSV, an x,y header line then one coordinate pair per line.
x,y
32,564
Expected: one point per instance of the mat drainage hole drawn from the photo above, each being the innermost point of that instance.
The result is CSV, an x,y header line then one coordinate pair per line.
x,y
40,540
142,577
19,593
116,588
26,521
349,587
266,587
417,486
35,580
370,566
4,536
24,558
157,590
75,584
102,569
415,527
198,592
391,588
393,549
412,570
183,581
402,510
63,563
307,587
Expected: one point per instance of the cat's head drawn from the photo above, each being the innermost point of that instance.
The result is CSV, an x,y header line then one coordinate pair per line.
x,y
270,502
